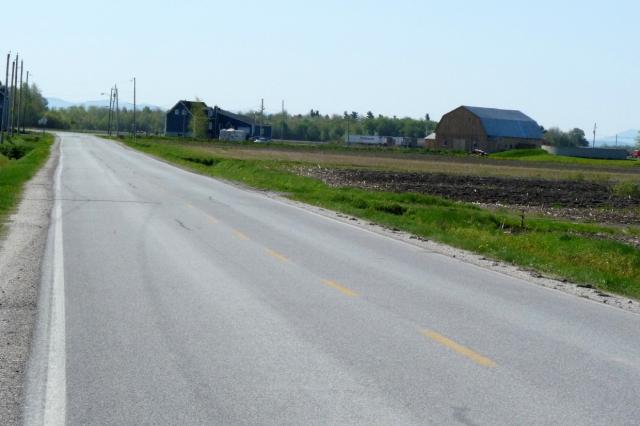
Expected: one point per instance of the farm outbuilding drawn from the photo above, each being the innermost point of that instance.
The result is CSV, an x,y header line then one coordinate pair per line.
x,y
178,119
467,128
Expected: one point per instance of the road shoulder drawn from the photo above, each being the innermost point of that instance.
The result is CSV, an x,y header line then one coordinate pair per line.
x,y
21,253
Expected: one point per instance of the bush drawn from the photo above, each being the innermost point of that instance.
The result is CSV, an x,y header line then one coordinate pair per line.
x,y
15,151
392,208
359,203
627,189
204,161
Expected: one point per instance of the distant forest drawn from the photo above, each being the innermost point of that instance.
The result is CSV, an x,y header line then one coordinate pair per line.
x,y
317,127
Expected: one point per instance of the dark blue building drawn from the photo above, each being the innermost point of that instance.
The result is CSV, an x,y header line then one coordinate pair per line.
x,y
179,117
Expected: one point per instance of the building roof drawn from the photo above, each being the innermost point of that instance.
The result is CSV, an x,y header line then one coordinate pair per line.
x,y
188,105
235,116
238,117
506,123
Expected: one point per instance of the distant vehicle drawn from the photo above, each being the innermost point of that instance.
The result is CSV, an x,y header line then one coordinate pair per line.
x,y
261,140
479,152
635,154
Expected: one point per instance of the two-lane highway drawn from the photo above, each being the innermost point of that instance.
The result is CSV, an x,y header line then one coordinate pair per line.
x,y
172,298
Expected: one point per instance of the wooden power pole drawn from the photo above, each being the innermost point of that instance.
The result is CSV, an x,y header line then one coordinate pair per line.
x,y
5,101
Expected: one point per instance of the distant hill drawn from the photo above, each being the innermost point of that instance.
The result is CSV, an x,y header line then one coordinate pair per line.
x,y
57,103
624,138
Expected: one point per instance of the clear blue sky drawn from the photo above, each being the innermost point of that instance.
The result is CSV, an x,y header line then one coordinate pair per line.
x,y
565,63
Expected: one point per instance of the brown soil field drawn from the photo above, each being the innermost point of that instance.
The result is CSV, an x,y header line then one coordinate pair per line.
x,y
577,200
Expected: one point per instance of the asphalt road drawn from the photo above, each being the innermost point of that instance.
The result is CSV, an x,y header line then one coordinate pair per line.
x,y
172,298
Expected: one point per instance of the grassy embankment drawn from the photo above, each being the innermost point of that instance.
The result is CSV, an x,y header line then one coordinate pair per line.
x,y
20,159
561,249
540,155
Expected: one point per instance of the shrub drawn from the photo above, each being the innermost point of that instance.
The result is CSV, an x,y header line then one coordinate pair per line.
x,y
392,208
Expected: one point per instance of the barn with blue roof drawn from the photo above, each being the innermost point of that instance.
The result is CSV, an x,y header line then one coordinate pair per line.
x,y
489,129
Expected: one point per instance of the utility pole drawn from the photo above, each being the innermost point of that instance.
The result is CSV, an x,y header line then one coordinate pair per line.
x,y
12,94
26,101
135,131
15,96
109,113
20,96
117,111
282,136
595,127
348,117
261,116
5,101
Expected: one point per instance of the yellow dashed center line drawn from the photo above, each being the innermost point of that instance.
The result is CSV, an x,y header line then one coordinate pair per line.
x,y
462,350
240,235
277,255
342,289
210,218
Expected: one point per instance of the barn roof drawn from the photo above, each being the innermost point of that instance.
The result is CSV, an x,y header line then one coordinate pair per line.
x,y
506,123
238,117
188,104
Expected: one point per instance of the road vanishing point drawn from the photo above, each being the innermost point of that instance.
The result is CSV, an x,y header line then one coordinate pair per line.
x,y
173,298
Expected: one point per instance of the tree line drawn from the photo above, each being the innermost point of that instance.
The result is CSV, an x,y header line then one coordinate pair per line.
x,y
150,121
573,138
315,126
35,107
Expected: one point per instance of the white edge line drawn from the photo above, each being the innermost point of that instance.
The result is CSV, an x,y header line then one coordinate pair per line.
x,y
56,387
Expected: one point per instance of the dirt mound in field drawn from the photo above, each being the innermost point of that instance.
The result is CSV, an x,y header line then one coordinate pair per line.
x,y
479,189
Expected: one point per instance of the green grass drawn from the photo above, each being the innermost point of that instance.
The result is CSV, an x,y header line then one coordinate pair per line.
x,y
562,249
32,150
540,155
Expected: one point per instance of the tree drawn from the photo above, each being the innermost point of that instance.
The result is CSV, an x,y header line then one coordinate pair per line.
x,y
354,115
638,140
577,137
35,105
573,138
199,124
370,115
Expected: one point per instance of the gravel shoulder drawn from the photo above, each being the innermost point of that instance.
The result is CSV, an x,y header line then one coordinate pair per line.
x,y
21,250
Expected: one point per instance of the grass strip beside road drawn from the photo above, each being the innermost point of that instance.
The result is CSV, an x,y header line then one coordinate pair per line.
x,y
20,159
565,250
